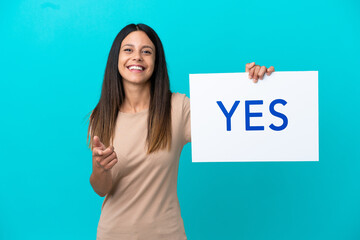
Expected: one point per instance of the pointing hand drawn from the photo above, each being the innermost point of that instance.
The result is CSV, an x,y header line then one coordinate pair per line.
x,y
103,158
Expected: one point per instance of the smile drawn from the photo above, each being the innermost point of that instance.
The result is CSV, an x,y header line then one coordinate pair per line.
x,y
136,67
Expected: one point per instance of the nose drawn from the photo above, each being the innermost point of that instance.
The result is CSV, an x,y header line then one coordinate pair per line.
x,y
137,56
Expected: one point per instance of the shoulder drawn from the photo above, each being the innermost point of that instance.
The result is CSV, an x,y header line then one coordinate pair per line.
x,y
179,99
180,105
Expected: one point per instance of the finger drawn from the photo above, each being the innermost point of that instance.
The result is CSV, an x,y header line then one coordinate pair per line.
x,y
270,70
108,159
248,66
262,72
98,143
108,151
111,164
251,72
98,152
256,72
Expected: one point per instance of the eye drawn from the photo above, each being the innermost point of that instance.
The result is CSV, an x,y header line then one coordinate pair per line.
x,y
147,52
127,50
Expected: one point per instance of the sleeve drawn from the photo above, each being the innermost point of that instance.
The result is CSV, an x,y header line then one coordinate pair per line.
x,y
186,119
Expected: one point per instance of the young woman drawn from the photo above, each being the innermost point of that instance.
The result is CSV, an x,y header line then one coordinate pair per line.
x,y
137,132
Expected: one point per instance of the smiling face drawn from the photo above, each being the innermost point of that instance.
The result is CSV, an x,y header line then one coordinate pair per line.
x,y
136,58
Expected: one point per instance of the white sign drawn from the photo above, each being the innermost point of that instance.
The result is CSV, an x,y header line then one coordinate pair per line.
x,y
236,120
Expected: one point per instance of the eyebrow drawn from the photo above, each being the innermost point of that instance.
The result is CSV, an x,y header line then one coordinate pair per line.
x,y
131,45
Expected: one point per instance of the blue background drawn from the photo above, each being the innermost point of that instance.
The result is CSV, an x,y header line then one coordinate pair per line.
x,y
52,61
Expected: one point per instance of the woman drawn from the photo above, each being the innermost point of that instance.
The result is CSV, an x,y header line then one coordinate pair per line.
x,y
138,130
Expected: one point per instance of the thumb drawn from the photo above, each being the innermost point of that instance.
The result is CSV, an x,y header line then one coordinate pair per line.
x,y
98,143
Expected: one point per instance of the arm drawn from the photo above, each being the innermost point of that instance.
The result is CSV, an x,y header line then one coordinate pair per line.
x,y
101,182
102,162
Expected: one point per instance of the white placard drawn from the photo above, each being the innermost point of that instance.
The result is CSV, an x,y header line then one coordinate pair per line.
x,y
284,105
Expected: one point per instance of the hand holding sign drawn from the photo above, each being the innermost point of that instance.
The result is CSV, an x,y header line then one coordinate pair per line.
x,y
103,158
257,72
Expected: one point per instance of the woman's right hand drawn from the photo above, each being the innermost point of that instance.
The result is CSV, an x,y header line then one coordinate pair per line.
x,y
103,158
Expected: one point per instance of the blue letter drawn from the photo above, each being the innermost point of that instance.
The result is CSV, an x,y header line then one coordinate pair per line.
x,y
279,115
227,114
248,115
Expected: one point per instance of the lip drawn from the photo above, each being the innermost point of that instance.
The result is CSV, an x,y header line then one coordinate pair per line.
x,y
136,65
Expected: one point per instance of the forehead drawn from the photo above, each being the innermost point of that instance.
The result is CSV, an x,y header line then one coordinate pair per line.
x,y
137,38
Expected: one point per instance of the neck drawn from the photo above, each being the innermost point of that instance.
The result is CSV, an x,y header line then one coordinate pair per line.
x,y
137,97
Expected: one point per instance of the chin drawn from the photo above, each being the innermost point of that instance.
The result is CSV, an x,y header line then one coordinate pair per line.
x,y
137,81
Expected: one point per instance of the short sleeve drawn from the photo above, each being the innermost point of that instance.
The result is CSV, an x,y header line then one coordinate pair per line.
x,y
186,119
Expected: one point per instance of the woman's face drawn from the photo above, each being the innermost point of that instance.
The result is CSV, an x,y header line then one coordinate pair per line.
x,y
136,58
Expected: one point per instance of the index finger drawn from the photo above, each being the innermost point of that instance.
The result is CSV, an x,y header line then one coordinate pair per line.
x,y
97,143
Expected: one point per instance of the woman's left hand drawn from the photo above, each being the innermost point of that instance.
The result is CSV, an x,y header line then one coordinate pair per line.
x,y
257,72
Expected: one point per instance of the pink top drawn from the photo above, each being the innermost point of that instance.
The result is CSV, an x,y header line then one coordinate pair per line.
x,y
143,202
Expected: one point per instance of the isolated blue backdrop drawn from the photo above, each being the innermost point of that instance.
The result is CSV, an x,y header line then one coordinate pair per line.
x,y
52,60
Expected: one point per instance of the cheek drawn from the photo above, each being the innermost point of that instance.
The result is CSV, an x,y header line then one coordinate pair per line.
x,y
121,65
151,70
120,70
152,66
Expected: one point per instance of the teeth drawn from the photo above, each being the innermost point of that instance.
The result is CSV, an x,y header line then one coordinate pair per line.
x,y
135,67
